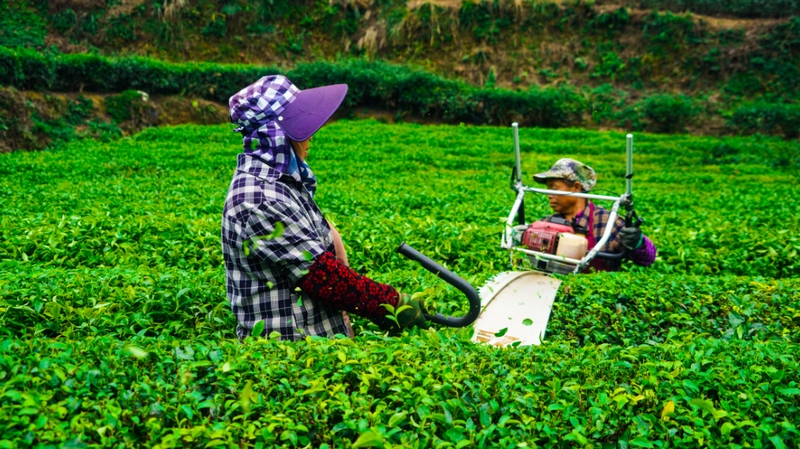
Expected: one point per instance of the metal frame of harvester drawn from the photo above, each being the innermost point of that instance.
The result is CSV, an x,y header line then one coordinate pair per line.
x,y
518,210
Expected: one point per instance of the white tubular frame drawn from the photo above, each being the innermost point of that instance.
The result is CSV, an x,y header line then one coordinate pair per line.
x,y
506,240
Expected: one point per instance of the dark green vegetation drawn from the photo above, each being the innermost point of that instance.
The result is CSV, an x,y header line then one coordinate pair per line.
x,y
117,330
384,86
725,8
621,58
31,120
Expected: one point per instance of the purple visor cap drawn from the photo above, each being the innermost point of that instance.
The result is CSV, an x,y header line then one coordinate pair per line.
x,y
310,110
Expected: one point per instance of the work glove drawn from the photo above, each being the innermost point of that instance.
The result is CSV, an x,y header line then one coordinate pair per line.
x,y
631,237
413,316
411,313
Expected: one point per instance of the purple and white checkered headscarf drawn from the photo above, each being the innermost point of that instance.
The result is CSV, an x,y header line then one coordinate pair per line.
x,y
256,111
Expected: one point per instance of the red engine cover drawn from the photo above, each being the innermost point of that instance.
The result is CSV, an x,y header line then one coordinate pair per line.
x,y
554,227
540,240
542,236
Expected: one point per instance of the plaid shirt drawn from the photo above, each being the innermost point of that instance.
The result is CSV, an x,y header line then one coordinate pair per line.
x,y
645,255
262,271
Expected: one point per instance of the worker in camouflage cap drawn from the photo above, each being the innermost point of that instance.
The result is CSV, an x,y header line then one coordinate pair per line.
x,y
568,177
572,171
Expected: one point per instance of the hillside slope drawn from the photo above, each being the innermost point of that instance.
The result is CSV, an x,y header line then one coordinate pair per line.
x,y
512,43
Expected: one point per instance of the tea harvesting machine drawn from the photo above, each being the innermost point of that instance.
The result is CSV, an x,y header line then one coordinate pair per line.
x,y
513,307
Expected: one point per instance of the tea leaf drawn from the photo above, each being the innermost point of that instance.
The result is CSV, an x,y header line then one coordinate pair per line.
x,y
258,329
669,409
368,439
137,352
246,396
397,418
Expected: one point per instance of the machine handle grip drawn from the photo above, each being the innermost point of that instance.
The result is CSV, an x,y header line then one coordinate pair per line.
x,y
452,279
632,219
611,256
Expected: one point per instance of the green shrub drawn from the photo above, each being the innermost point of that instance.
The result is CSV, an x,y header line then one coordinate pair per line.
x,y
609,23
25,69
79,110
216,27
429,390
669,32
125,106
491,79
21,25
483,18
610,66
738,8
121,28
90,23
668,113
64,21
767,118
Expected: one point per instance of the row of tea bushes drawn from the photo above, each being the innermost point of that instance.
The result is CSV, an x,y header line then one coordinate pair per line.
x,y
429,389
380,85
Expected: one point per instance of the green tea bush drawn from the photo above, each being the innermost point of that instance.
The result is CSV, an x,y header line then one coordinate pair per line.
x,y
610,309
767,118
25,69
371,84
427,390
115,327
668,113
738,8
125,106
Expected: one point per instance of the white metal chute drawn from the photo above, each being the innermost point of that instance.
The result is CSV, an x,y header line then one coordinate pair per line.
x,y
518,302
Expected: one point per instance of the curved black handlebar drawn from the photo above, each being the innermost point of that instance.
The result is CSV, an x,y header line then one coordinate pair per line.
x,y
452,279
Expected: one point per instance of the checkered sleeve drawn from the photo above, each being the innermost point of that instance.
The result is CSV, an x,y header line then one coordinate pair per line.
x,y
281,234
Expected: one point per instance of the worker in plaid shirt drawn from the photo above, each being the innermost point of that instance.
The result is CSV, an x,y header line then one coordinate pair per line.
x,y
572,176
285,264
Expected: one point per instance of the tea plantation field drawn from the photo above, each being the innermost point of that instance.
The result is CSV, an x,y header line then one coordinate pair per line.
x,y
116,331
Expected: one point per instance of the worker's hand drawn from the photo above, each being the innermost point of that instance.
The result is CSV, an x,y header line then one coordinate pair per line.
x,y
408,312
631,237
413,313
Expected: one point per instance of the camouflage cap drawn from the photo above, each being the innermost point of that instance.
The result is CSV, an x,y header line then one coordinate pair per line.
x,y
571,170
